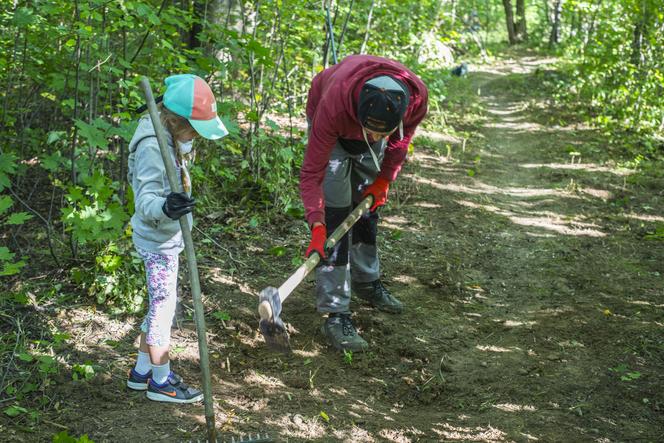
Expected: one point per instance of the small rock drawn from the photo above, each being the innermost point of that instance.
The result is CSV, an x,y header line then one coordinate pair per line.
x,y
484,364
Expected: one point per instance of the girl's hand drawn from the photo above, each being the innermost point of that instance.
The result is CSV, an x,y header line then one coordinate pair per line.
x,y
178,204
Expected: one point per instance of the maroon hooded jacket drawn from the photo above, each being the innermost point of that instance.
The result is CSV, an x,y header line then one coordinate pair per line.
x,y
332,114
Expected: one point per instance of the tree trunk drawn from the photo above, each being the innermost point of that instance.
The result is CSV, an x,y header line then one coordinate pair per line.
x,y
520,26
554,37
639,35
509,19
366,33
199,13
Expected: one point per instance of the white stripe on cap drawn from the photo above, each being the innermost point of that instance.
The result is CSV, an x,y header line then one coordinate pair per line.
x,y
386,82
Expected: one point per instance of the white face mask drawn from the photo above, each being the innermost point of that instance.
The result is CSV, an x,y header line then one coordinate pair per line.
x,y
186,147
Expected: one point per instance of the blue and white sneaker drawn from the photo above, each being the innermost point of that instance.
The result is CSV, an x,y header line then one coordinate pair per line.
x,y
138,382
173,391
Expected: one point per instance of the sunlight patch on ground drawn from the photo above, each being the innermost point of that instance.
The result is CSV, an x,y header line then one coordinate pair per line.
x,y
405,279
547,220
297,426
362,407
255,342
342,392
644,303
396,219
597,193
553,311
400,435
516,125
306,354
217,276
427,205
427,158
590,167
482,188
539,235
492,348
557,226
246,403
353,434
90,328
515,323
509,407
385,224
507,110
270,383
645,217
437,137
437,168
488,434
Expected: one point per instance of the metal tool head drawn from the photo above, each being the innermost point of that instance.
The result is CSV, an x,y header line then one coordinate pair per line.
x,y
271,326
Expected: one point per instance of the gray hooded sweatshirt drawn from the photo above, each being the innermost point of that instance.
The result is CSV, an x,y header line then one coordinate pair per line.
x,y
153,230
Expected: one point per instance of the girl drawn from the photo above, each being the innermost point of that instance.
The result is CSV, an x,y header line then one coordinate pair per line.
x,y
188,110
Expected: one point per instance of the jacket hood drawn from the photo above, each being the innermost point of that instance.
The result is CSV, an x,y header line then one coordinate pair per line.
x,y
144,130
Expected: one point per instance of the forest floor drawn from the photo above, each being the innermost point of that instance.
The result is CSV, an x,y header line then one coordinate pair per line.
x,y
534,308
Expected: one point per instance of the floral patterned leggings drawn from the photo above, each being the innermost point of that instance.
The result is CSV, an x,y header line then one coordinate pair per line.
x,y
162,278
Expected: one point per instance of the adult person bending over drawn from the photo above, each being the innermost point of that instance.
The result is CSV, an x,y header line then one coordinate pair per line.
x,y
362,115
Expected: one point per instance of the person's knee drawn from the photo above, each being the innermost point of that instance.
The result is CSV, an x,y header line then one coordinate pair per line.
x,y
366,229
334,217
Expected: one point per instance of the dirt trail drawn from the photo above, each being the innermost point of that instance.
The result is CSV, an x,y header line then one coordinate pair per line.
x,y
534,308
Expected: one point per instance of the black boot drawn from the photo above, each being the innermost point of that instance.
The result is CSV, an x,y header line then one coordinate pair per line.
x,y
378,296
340,333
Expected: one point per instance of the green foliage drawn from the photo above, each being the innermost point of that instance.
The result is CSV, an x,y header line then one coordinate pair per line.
x,y
116,278
221,315
94,214
8,167
64,437
614,70
83,371
67,113
625,373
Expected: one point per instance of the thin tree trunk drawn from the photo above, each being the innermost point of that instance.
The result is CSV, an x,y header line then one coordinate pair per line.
x,y
72,154
554,37
509,20
639,35
343,30
366,33
520,26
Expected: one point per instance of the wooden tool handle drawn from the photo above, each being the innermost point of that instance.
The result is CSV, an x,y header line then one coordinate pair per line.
x,y
296,278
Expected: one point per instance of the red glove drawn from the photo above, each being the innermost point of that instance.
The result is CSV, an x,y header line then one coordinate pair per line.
x,y
317,243
379,190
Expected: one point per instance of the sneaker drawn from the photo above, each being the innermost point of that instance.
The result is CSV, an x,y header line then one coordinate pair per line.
x,y
138,382
378,296
341,334
173,391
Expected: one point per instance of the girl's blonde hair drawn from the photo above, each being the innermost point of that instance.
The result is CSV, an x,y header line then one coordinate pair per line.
x,y
176,125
